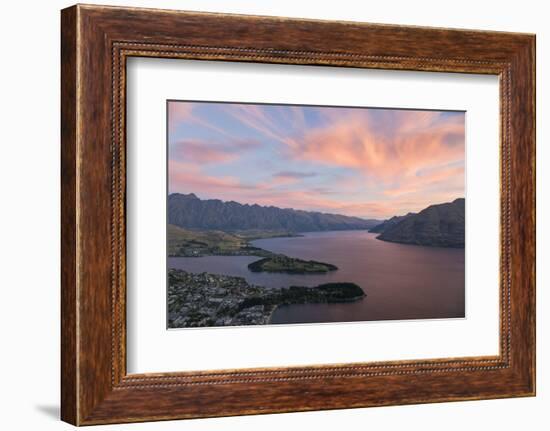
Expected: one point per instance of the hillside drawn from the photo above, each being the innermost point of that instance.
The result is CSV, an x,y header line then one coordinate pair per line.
x,y
438,225
190,212
189,243
386,224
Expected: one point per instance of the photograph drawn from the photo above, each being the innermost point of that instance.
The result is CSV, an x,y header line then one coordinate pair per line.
x,y
306,214
302,214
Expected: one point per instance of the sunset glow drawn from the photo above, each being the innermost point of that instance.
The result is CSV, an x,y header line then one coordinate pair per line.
x,y
366,162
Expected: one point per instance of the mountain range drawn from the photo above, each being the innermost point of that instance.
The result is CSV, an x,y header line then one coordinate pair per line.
x,y
190,212
439,225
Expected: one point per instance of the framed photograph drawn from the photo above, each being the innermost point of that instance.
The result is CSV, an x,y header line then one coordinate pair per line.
x,y
263,215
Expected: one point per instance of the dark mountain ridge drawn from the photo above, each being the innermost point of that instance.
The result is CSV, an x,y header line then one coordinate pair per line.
x,y
441,225
386,224
188,211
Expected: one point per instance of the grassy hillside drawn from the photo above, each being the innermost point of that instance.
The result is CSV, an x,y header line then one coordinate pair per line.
x,y
186,242
198,240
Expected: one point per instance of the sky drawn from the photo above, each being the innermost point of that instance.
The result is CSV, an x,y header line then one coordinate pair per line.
x,y
365,162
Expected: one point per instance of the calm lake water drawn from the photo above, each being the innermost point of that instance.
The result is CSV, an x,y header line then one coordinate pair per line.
x,y
401,281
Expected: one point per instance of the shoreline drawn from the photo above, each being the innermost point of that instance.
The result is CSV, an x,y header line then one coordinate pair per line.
x,y
206,299
191,248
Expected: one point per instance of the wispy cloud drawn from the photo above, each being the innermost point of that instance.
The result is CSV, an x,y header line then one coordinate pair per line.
x,y
367,162
178,113
201,151
255,117
294,174
187,177
384,154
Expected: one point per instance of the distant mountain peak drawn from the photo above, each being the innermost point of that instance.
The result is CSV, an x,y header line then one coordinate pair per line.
x,y
189,211
386,224
184,195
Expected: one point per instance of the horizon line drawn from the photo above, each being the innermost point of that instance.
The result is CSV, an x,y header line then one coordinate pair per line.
x,y
312,211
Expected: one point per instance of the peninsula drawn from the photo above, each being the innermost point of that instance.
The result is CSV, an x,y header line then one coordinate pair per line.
x,y
198,300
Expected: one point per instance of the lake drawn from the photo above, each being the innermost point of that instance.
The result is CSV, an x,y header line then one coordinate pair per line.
x,y
400,281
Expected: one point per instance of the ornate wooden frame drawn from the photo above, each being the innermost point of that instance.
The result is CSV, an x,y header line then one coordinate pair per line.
x,y
95,42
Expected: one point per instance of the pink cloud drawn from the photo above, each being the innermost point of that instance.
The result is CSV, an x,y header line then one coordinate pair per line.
x,y
201,151
354,143
178,112
449,178
187,178
394,163
404,154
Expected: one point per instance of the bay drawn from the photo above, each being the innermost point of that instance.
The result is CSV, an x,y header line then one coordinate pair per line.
x,y
401,281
